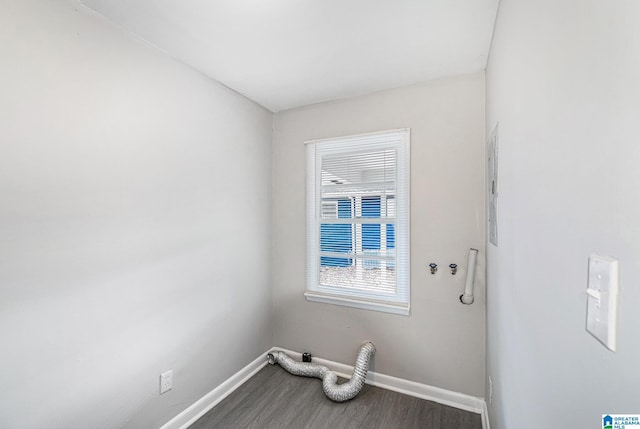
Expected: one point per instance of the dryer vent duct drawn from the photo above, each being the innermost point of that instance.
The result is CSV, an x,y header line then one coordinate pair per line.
x,y
334,391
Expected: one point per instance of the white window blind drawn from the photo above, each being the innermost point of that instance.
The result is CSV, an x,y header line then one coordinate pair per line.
x,y
358,221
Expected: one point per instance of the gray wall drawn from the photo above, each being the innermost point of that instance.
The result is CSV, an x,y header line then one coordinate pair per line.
x,y
563,84
134,195
442,342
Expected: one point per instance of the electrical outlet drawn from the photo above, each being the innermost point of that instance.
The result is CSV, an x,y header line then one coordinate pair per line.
x,y
490,390
166,381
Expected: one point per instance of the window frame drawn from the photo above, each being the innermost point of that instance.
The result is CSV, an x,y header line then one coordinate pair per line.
x,y
399,301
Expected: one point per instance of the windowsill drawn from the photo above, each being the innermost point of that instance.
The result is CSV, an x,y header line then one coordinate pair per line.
x,y
357,303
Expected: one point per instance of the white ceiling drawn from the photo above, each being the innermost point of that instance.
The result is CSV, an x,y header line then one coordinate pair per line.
x,y
288,53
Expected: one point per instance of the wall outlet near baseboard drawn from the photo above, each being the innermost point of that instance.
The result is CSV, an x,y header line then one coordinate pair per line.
x,y
166,381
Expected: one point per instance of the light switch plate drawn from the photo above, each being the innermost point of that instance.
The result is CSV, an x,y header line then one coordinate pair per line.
x,y
602,299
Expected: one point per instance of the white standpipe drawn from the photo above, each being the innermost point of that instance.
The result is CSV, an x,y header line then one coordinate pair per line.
x,y
467,296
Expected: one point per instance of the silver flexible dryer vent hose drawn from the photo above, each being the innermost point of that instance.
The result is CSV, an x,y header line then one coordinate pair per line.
x,y
334,391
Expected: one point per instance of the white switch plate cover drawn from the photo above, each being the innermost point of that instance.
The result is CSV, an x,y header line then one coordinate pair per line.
x,y
602,299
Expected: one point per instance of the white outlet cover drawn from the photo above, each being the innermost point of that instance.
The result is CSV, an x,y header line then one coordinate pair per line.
x,y
166,381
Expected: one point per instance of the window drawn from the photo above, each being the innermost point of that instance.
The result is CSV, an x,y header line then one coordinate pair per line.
x,y
358,221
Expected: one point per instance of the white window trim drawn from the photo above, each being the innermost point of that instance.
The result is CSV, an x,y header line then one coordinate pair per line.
x,y
400,302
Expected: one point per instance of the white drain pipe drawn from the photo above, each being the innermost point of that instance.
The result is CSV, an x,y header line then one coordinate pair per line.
x,y
334,391
467,296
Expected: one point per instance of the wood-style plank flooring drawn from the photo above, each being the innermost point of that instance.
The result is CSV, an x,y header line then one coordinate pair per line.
x,y
273,398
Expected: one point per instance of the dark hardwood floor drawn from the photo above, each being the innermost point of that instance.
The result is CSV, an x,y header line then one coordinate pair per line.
x,y
273,398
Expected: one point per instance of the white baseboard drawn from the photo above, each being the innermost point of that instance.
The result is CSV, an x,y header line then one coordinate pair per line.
x,y
211,399
419,390
485,416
